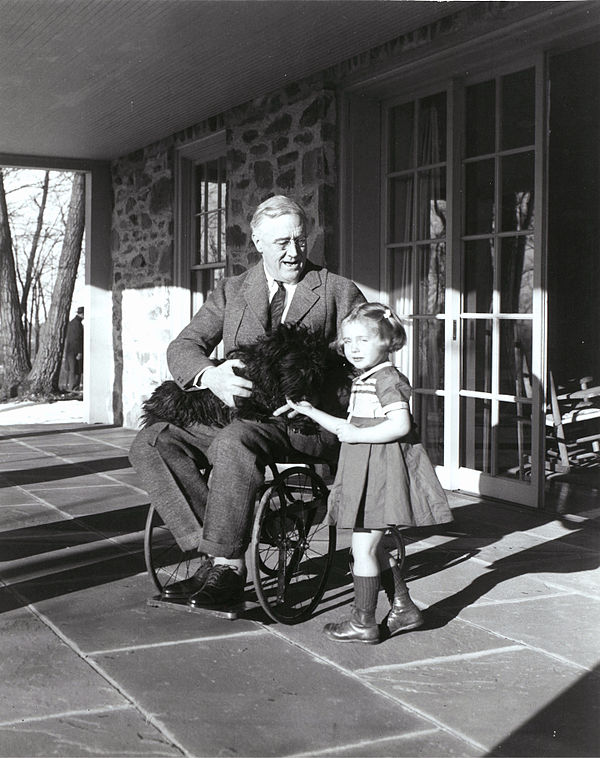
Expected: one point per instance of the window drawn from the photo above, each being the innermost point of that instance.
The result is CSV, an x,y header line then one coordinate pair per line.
x,y
200,225
416,252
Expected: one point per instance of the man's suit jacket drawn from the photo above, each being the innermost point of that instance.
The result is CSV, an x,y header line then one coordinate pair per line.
x,y
74,338
237,311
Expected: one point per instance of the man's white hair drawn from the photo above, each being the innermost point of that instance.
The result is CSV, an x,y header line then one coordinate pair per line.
x,y
278,205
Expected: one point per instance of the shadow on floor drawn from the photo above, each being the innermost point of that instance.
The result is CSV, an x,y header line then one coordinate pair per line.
x,y
553,732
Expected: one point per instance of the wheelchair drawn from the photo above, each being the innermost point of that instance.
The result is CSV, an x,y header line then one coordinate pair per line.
x,y
291,549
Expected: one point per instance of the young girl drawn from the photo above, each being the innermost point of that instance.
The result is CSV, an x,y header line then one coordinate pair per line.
x,y
384,476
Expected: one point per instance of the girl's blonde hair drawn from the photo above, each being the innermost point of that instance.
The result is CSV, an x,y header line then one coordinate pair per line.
x,y
382,319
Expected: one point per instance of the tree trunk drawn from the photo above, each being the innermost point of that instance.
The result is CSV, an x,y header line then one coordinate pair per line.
x,y
16,359
43,378
34,244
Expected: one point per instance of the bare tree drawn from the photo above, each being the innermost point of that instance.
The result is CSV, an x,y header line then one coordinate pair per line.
x,y
43,378
16,359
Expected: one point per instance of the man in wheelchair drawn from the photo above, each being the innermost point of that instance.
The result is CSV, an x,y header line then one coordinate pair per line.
x,y
284,287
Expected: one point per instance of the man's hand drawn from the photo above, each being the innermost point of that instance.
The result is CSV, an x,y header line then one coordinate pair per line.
x,y
225,384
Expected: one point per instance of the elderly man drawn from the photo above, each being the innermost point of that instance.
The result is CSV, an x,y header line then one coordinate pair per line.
x,y
283,287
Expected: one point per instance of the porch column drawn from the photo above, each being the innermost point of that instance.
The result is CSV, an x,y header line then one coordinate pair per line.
x,y
98,365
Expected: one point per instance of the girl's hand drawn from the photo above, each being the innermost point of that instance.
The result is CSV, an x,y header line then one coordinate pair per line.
x,y
347,432
303,407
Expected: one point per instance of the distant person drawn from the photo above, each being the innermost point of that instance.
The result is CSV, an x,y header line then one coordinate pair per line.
x,y
384,476
74,351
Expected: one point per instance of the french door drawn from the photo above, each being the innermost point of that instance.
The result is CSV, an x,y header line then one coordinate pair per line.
x,y
463,188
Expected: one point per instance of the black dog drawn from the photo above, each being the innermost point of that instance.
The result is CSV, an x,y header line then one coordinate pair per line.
x,y
290,362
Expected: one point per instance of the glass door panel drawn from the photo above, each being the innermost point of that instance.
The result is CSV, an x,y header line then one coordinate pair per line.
x,y
497,264
416,253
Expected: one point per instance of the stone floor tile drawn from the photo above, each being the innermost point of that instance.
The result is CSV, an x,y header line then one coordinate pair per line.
x,y
56,475
570,624
231,698
95,499
486,697
80,566
42,676
115,614
10,495
39,539
425,743
572,579
552,731
28,514
436,637
453,579
117,732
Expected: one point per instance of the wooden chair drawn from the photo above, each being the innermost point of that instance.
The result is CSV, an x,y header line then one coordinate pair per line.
x,y
573,422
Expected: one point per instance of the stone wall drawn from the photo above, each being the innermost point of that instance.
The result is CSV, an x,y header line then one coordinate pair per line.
x,y
283,144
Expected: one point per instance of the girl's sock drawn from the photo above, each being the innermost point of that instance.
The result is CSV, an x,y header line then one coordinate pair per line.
x,y
366,589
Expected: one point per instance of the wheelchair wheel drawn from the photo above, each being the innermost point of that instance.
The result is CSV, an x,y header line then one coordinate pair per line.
x,y
165,561
292,548
393,542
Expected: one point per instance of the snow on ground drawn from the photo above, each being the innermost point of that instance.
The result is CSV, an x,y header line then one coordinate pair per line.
x,y
27,412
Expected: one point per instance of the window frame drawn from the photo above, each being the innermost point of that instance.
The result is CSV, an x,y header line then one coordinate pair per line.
x,y
187,158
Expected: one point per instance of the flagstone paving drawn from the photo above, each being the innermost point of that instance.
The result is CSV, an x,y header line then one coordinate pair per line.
x,y
505,664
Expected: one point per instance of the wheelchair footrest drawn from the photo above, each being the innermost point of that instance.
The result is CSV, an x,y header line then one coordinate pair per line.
x,y
226,612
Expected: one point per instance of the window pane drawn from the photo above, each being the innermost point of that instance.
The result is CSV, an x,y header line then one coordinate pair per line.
x,y
476,434
513,437
480,119
401,209
517,192
213,185
479,193
200,187
401,280
516,274
477,355
428,413
202,283
200,247
402,119
432,204
431,273
478,276
515,358
518,109
429,368
432,130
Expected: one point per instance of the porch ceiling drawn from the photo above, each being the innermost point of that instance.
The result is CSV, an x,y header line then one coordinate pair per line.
x,y
95,79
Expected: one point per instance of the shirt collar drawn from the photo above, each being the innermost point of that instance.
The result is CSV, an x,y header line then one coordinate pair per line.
x,y
372,370
272,283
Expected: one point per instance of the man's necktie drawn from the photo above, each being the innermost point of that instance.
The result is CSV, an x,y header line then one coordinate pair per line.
x,y
276,307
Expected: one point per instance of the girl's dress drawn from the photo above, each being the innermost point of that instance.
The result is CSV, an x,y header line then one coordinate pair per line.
x,y
383,484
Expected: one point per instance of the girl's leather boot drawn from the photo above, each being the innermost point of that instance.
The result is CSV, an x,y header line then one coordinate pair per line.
x,y
360,627
404,614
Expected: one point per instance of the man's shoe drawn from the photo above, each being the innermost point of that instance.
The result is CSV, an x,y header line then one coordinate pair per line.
x,y
223,586
361,627
185,588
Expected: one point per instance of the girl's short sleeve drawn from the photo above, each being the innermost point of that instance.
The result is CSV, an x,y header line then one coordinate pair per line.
x,y
393,390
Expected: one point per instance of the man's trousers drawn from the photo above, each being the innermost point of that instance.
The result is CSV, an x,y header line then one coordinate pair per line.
x,y
216,521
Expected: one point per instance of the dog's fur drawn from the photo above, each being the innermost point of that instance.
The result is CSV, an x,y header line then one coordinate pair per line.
x,y
290,362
